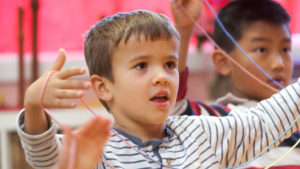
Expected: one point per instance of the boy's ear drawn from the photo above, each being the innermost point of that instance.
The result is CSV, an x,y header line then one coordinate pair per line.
x,y
222,64
102,87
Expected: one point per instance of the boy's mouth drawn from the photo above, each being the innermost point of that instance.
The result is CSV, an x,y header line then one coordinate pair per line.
x,y
279,80
160,98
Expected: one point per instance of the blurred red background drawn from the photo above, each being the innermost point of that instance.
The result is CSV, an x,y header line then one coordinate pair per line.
x,y
64,23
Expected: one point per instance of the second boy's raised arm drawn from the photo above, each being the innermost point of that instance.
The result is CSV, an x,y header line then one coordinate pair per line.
x,y
184,25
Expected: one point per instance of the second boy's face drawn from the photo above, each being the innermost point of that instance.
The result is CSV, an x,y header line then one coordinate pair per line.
x,y
145,81
269,46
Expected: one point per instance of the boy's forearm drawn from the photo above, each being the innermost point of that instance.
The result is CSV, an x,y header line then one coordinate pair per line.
x,y
41,150
185,36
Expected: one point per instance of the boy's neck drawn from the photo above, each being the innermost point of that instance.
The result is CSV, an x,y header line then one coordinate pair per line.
x,y
244,96
145,132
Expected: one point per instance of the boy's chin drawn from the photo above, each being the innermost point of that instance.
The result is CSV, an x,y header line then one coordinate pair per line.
x,y
161,119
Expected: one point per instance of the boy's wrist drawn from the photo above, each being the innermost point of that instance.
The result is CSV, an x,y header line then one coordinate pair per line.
x,y
32,108
181,28
31,100
36,121
185,31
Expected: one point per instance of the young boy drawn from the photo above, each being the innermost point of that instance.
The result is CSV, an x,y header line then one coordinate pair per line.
x,y
141,48
261,28
265,36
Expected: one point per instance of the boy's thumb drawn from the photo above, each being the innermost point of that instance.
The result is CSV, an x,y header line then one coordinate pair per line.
x,y
60,60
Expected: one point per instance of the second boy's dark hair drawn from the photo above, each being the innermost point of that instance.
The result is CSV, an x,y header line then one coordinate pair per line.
x,y
105,35
239,14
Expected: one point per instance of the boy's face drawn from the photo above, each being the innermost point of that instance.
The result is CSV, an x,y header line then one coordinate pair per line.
x,y
269,46
145,81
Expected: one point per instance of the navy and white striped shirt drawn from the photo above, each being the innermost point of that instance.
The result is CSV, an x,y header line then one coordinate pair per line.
x,y
192,141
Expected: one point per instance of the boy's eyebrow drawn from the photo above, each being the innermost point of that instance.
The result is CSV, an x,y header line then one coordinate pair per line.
x,y
260,39
172,57
286,40
141,57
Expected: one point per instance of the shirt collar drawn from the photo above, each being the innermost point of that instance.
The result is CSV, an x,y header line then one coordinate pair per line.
x,y
154,143
232,99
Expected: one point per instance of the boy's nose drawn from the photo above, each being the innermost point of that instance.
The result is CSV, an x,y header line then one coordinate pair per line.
x,y
278,62
160,78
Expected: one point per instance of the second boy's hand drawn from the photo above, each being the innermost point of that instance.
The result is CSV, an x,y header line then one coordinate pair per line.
x,y
191,7
59,89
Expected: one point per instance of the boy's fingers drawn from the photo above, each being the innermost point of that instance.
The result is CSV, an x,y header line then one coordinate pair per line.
x,y
67,131
69,72
60,60
177,1
74,84
69,94
68,135
61,103
98,124
64,151
103,128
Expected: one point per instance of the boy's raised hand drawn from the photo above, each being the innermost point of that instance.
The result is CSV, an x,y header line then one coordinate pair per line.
x,y
185,25
192,8
60,88
89,140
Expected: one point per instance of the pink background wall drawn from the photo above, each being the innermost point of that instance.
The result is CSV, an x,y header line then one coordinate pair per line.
x,y
62,23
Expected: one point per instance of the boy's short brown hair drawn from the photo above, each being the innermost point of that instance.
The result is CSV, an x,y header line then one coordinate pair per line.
x,y
105,35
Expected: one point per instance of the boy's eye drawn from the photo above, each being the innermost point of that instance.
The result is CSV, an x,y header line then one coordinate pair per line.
x,y
171,65
261,50
141,66
286,50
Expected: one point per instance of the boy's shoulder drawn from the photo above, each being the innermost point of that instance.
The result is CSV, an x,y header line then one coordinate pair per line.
x,y
236,103
185,122
173,119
